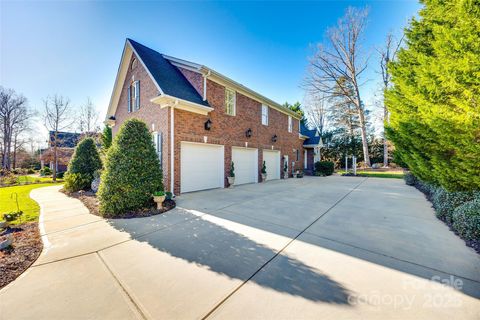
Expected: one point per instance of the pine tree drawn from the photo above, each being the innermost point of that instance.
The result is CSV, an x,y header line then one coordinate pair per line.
x,y
434,103
132,170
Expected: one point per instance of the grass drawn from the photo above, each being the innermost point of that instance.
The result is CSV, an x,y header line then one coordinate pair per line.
x,y
379,174
34,179
30,208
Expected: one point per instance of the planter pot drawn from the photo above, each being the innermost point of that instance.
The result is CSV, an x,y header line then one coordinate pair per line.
x,y
159,200
264,177
285,175
231,181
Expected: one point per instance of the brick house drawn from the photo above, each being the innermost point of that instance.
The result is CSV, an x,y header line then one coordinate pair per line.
x,y
201,121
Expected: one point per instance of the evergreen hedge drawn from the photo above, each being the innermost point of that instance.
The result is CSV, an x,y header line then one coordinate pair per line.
x,y
132,171
85,161
433,104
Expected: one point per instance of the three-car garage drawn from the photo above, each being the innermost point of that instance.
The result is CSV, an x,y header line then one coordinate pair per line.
x,y
203,166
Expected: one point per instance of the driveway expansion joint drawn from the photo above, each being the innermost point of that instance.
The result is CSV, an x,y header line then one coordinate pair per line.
x,y
228,296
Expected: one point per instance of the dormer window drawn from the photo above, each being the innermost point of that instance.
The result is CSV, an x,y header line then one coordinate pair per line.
x,y
134,96
134,64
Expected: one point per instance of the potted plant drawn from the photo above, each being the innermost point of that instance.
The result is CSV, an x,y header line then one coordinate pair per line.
x,y
285,170
264,172
231,175
159,197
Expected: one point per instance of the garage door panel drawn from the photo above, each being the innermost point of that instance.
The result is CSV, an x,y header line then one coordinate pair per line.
x,y
246,165
272,161
202,167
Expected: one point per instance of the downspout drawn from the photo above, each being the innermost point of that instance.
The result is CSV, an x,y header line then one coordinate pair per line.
x,y
205,76
172,149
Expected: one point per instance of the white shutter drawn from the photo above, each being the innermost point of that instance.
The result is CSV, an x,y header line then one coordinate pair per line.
x,y
137,95
129,93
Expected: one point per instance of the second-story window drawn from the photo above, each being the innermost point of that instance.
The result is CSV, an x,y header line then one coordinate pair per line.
x,y
134,96
230,101
290,124
265,115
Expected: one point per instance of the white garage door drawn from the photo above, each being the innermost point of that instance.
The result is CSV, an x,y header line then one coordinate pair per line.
x,y
201,166
246,165
272,161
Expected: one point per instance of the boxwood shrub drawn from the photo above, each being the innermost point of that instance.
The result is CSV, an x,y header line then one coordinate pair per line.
x,y
446,202
85,161
324,168
466,220
132,171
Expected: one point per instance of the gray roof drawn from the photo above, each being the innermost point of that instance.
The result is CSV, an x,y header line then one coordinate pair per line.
x,y
168,77
312,139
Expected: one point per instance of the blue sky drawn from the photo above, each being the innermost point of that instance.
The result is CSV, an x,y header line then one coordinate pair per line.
x,y
74,48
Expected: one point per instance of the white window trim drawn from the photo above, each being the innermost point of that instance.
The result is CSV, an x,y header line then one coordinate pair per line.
x,y
290,124
234,113
265,108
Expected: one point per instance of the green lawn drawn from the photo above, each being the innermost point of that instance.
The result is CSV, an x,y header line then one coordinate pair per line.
x,y
379,174
34,179
30,208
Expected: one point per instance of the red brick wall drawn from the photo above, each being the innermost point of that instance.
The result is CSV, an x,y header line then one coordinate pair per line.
x,y
149,112
230,130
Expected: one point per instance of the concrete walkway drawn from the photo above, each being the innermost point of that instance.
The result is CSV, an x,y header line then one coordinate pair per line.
x,y
330,248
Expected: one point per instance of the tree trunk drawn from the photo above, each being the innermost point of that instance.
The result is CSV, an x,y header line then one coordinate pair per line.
x,y
54,170
366,156
385,142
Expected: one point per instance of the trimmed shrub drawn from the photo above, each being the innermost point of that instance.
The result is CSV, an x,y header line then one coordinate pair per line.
x,y
106,138
410,179
132,171
85,161
75,181
446,202
30,171
46,171
466,220
324,168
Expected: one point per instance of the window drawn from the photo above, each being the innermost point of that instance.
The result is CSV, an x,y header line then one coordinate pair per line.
x,y
134,64
134,96
229,102
264,115
297,152
290,124
157,141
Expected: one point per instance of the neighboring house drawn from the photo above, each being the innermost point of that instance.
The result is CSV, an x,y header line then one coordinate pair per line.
x,y
201,120
66,142
312,147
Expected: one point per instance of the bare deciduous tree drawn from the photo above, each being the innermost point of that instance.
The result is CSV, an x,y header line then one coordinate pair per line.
x,y
57,117
338,65
387,54
316,112
88,118
14,115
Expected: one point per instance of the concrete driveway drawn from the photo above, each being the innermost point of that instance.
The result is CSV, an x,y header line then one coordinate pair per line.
x,y
330,248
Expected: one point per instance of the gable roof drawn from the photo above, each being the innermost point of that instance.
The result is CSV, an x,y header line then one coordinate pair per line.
x,y
170,80
313,137
64,139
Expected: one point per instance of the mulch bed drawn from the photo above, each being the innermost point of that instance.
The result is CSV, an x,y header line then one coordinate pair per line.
x,y
25,249
90,201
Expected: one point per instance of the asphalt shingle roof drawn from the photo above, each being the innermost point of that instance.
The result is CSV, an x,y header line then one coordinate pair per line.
x,y
168,77
310,133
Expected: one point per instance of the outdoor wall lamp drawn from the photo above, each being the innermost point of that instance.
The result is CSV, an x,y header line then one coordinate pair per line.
x,y
274,138
208,124
248,133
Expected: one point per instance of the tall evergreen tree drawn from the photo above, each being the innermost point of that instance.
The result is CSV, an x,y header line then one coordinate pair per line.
x,y
106,137
434,103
